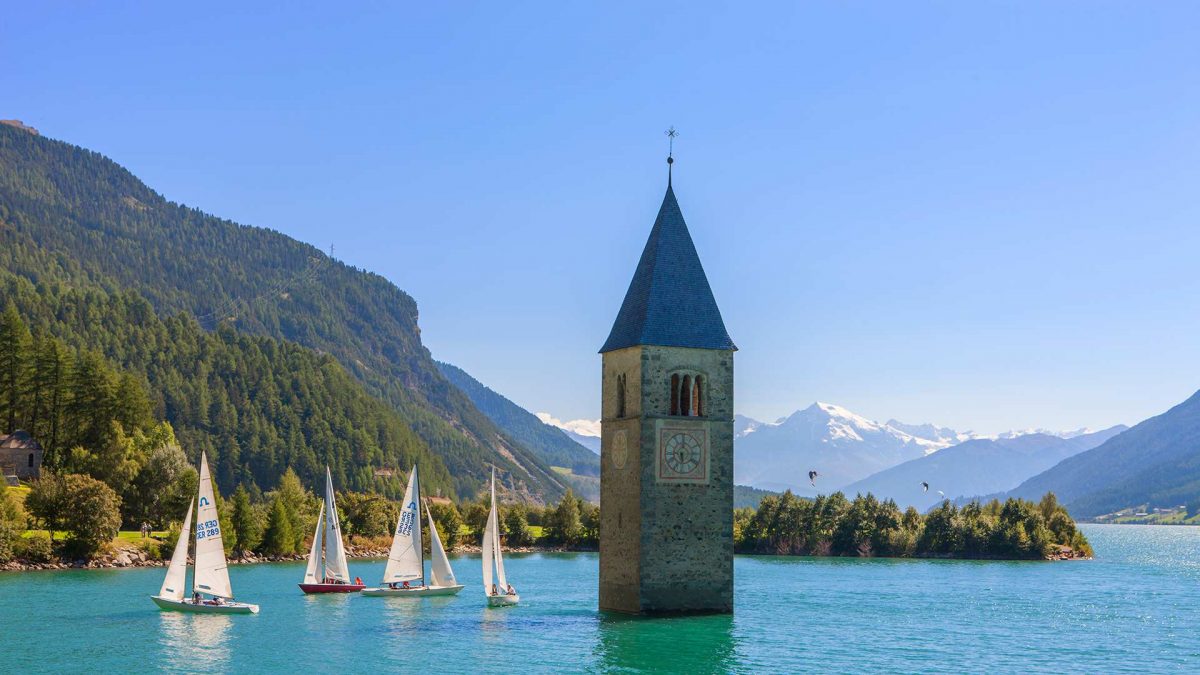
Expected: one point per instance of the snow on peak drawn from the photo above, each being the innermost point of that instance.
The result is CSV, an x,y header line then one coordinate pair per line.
x,y
581,427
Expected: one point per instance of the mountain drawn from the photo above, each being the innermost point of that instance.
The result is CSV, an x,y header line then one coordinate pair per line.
x,y
841,446
743,425
931,432
255,405
976,467
552,445
583,432
1156,463
71,217
746,497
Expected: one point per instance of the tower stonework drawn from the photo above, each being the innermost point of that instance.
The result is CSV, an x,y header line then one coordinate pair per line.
x,y
666,476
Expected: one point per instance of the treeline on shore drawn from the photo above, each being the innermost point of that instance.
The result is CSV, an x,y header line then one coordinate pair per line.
x,y
833,525
89,514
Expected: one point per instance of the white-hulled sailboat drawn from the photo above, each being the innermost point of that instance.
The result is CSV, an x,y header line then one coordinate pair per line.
x,y
498,592
211,576
327,571
406,563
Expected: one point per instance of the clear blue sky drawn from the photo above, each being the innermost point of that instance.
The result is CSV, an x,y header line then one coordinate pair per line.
x,y
980,215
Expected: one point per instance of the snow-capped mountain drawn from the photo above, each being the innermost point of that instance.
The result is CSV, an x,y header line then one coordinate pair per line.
x,y
583,432
840,445
932,432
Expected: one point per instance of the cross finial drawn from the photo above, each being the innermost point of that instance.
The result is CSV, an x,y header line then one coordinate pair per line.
x,y
671,134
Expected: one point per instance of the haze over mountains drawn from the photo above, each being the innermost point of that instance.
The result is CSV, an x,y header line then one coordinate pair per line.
x,y
979,466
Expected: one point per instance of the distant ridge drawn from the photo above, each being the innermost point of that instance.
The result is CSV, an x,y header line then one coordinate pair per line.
x,y
977,467
550,443
1156,463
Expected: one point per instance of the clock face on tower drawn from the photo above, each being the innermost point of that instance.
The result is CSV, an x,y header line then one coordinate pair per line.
x,y
683,455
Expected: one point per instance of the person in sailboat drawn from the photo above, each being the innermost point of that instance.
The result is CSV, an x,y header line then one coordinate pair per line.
x,y
510,590
196,599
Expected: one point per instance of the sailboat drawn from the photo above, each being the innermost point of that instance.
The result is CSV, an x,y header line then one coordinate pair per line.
x,y
499,593
327,571
406,563
211,576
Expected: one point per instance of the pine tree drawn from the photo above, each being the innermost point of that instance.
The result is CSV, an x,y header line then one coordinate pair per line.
x,y
246,527
279,538
14,348
565,526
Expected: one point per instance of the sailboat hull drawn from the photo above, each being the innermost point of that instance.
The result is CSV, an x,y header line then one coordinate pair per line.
x,y
230,607
332,588
503,600
419,592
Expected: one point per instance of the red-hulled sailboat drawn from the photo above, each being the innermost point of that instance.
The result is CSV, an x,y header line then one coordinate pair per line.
x,y
327,571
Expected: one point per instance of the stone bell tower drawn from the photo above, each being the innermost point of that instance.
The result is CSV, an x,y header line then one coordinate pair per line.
x,y
666,476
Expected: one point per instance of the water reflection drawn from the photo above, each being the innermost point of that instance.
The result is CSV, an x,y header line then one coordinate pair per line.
x,y
700,644
328,608
195,642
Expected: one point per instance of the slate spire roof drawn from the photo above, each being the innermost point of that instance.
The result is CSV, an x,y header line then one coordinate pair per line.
x,y
669,302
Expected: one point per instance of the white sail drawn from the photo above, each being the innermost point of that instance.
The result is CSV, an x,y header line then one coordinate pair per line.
x,y
439,565
177,573
494,521
212,572
335,553
316,561
488,549
404,560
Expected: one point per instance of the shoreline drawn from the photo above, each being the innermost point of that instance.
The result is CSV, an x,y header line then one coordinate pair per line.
x,y
128,558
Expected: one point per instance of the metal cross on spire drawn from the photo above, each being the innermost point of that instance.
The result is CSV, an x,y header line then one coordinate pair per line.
x,y
671,134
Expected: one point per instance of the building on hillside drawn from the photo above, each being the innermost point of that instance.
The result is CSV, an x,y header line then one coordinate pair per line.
x,y
666,460
20,456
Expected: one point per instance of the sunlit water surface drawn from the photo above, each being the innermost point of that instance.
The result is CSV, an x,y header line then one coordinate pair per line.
x,y
1135,608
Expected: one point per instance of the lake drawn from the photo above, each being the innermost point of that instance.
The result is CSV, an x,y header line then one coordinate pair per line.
x,y
1136,607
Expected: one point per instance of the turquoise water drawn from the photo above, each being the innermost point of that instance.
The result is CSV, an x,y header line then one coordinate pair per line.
x,y
1135,608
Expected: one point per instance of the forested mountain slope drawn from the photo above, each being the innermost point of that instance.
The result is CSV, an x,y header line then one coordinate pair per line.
x,y
71,217
256,405
550,443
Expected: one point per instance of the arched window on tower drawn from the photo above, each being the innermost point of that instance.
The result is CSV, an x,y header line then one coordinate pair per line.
x,y
675,394
31,460
621,395
685,396
697,397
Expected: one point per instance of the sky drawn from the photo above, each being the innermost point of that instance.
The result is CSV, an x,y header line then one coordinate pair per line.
x,y
980,215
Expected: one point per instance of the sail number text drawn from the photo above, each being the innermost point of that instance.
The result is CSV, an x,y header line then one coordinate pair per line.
x,y
209,528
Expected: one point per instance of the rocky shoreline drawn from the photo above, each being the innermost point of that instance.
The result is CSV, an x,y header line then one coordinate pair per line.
x,y
136,557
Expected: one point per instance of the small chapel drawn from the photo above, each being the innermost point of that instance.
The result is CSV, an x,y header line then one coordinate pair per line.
x,y
666,476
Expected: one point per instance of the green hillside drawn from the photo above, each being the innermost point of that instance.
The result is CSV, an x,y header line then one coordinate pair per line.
x,y
72,219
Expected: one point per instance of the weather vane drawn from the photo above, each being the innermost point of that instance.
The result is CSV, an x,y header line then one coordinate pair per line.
x,y
671,134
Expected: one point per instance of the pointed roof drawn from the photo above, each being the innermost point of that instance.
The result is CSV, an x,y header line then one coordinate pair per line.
x,y
669,302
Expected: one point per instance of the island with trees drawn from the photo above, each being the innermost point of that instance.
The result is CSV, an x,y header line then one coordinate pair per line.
x,y
833,525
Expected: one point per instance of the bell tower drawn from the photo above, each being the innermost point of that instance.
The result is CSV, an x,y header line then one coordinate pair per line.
x,y
666,459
